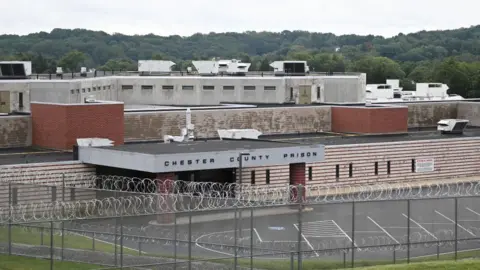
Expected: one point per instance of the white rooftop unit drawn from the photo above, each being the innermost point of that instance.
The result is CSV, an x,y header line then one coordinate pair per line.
x,y
214,67
431,90
94,142
155,66
290,67
452,126
238,134
27,65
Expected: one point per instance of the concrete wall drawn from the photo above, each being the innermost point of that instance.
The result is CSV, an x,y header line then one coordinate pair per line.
x,y
453,158
428,114
154,125
470,111
15,89
15,131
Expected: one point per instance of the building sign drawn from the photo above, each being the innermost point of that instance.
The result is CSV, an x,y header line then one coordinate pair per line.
x,y
424,165
194,161
251,158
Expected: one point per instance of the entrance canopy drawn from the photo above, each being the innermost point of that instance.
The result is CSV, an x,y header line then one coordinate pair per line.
x,y
200,155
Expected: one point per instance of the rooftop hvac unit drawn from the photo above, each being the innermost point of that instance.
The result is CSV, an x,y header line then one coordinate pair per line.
x,y
94,142
452,126
83,71
238,133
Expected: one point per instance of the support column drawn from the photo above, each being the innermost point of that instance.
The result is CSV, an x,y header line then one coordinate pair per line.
x,y
297,177
165,182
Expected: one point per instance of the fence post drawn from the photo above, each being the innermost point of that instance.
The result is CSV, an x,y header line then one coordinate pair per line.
x,y
93,241
251,238
456,228
235,262
115,234
300,206
190,240
292,260
353,234
175,239
9,218
63,216
121,237
51,245
408,231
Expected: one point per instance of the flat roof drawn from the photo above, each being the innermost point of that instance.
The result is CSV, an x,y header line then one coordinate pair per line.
x,y
23,155
342,139
160,148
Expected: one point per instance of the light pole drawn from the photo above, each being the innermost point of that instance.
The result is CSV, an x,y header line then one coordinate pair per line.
x,y
240,169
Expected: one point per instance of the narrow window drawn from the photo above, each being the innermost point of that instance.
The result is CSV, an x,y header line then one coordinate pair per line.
x,y
413,165
291,93
147,87
376,168
337,171
72,91
20,100
249,87
267,177
228,87
167,87
350,170
127,87
208,87
252,177
388,167
187,87
269,88
83,90
310,173
318,92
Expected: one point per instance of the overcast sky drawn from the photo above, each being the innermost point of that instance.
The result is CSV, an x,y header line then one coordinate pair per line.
x,y
186,17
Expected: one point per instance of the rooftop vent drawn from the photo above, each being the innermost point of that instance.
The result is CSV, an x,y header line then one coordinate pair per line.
x,y
452,126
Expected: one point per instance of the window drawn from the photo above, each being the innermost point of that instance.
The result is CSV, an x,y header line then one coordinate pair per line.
x,y
267,177
208,87
167,87
228,87
249,87
413,165
350,170
88,89
72,91
291,93
388,167
108,87
83,90
337,171
94,89
269,88
187,87
104,87
147,87
310,173
20,100
318,92
78,91
127,87
376,168
252,177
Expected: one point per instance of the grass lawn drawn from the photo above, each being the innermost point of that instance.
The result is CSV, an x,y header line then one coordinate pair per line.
x,y
33,236
24,263
440,265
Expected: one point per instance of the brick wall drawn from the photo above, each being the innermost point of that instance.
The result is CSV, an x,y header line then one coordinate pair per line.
x,y
370,120
15,131
145,126
453,158
59,125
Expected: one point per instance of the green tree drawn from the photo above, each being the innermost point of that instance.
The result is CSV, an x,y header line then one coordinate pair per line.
x,y
378,69
119,64
72,60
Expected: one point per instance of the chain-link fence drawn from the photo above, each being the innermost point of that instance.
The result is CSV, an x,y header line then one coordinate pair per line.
x,y
208,226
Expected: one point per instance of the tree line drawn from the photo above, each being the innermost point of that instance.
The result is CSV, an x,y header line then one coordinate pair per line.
x,y
451,57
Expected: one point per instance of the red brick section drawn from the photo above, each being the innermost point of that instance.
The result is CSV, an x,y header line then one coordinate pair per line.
x,y
368,120
59,125
297,177
164,187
